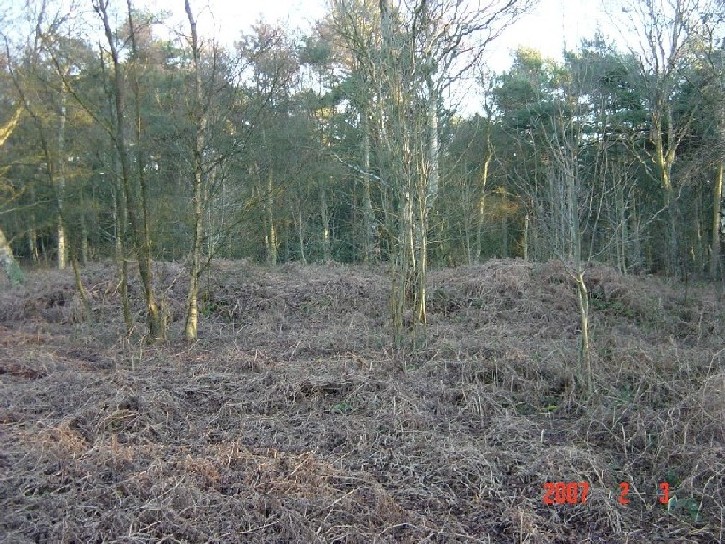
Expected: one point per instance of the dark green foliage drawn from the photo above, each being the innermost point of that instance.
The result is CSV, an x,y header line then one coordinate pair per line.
x,y
289,108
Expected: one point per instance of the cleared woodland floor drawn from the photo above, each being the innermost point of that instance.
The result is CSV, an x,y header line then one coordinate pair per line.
x,y
292,420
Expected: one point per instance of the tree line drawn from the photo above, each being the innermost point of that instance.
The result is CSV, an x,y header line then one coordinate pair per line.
x,y
342,144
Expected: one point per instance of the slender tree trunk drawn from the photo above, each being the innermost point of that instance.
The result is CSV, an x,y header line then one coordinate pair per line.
x,y
84,236
272,232
301,234
120,213
481,216
32,231
192,310
623,236
421,265
525,242
7,261
368,215
409,245
325,216
718,223
33,241
62,245
433,147
120,220
635,255
135,206
585,358
400,281
60,188
154,313
389,102
664,159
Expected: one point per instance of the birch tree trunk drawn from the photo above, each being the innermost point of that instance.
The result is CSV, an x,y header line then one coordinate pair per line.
x,y
192,309
301,234
272,232
481,216
409,58
60,188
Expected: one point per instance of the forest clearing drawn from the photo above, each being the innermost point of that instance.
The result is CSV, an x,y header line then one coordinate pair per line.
x,y
291,419
347,282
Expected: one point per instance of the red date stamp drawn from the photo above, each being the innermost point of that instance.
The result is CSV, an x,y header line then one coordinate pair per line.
x,y
577,493
565,493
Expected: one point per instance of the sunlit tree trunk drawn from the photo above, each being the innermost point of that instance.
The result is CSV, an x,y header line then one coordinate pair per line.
x,y
33,241
192,310
664,159
272,243
565,179
481,216
60,188
668,33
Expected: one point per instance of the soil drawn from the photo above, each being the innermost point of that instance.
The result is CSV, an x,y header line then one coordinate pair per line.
x,y
293,420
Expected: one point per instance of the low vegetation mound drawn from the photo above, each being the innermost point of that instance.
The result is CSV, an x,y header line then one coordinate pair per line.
x,y
292,420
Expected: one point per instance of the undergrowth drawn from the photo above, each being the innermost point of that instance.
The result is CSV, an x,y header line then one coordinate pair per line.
x,y
292,419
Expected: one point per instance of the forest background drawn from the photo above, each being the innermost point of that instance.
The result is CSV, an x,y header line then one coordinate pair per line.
x,y
129,138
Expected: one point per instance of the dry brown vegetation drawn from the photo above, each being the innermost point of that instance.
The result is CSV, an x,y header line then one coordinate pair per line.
x,y
292,421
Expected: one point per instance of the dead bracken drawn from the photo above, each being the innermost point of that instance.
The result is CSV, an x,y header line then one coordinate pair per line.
x,y
292,420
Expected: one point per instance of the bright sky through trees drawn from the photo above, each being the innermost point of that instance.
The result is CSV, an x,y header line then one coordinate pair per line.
x,y
551,26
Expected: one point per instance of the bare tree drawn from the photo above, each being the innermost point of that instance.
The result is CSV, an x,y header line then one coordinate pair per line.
x,y
134,189
567,194
199,127
715,57
668,34
410,52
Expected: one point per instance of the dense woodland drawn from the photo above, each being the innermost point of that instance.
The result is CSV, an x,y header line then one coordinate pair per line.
x,y
127,138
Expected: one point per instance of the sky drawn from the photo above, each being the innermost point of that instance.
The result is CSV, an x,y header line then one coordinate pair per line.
x,y
551,25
